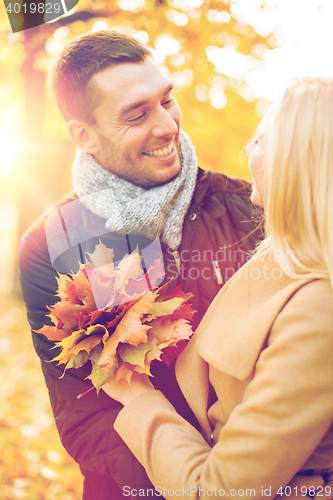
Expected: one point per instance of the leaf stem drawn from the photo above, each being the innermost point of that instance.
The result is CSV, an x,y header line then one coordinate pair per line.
x,y
81,395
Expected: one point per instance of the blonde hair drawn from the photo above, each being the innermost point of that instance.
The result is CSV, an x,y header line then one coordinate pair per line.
x,y
299,168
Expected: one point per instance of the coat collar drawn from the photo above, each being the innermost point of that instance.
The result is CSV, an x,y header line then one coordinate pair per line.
x,y
234,329
239,320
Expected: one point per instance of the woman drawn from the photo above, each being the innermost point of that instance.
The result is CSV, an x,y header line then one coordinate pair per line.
x,y
258,372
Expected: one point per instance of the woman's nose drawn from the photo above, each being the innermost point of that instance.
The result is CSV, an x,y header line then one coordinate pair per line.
x,y
248,148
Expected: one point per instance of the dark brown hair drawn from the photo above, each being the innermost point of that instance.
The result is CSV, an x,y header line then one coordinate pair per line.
x,y
70,77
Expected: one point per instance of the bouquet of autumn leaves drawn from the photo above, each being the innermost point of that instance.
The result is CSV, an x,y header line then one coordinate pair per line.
x,y
116,317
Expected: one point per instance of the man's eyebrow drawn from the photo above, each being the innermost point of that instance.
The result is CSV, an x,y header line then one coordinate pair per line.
x,y
170,87
130,107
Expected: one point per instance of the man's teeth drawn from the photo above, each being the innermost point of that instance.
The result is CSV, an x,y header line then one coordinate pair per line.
x,y
160,152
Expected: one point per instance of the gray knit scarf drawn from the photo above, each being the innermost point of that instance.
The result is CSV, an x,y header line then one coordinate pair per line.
x,y
132,209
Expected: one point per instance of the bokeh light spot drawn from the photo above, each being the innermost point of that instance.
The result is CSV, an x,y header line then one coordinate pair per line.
x,y
61,33
158,56
218,16
53,46
4,345
16,373
167,45
48,473
134,6
54,457
142,36
202,92
177,60
227,61
182,78
100,25
217,97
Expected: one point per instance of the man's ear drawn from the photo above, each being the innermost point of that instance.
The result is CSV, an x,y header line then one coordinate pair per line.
x,y
81,136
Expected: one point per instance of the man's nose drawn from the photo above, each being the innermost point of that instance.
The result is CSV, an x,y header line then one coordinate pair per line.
x,y
164,124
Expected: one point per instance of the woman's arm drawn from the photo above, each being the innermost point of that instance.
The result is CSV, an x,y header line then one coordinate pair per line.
x,y
286,410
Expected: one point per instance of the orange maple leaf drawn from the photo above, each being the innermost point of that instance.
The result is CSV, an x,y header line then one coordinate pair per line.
x,y
130,330
54,333
66,313
124,370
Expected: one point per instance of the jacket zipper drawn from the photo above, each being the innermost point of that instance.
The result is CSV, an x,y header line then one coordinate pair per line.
x,y
176,256
217,272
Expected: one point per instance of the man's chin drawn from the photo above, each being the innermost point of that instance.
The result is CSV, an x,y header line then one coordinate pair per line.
x,y
172,174
160,180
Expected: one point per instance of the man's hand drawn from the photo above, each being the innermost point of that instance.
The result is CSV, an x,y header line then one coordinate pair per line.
x,y
302,486
124,392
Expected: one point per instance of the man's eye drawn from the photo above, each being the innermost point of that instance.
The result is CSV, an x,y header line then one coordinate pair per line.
x,y
169,100
137,118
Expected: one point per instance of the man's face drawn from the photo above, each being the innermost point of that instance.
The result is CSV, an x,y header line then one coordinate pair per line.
x,y
137,124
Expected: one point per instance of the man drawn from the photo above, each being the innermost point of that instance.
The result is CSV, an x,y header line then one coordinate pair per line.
x,y
135,177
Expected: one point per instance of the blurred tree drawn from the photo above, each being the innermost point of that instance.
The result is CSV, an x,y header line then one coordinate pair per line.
x,y
208,55
206,52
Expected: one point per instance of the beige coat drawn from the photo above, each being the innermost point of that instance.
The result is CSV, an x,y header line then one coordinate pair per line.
x,y
266,346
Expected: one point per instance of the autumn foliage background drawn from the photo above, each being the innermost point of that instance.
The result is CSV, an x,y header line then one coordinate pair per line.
x,y
219,114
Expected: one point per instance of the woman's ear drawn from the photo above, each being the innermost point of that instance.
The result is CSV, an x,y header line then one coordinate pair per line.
x,y
81,136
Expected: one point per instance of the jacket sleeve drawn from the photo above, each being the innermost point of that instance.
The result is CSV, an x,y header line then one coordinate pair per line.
x,y
283,419
85,426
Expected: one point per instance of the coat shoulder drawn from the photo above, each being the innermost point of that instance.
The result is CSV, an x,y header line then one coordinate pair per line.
x,y
36,231
219,182
313,302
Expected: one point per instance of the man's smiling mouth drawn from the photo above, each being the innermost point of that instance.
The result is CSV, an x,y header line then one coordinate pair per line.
x,y
160,153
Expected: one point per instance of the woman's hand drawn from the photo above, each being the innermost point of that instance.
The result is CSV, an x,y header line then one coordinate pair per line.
x,y
124,392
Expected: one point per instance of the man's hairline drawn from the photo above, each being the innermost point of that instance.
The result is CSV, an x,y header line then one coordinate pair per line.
x,y
91,83
91,86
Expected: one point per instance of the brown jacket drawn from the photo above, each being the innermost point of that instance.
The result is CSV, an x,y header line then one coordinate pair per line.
x,y
266,347
216,231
